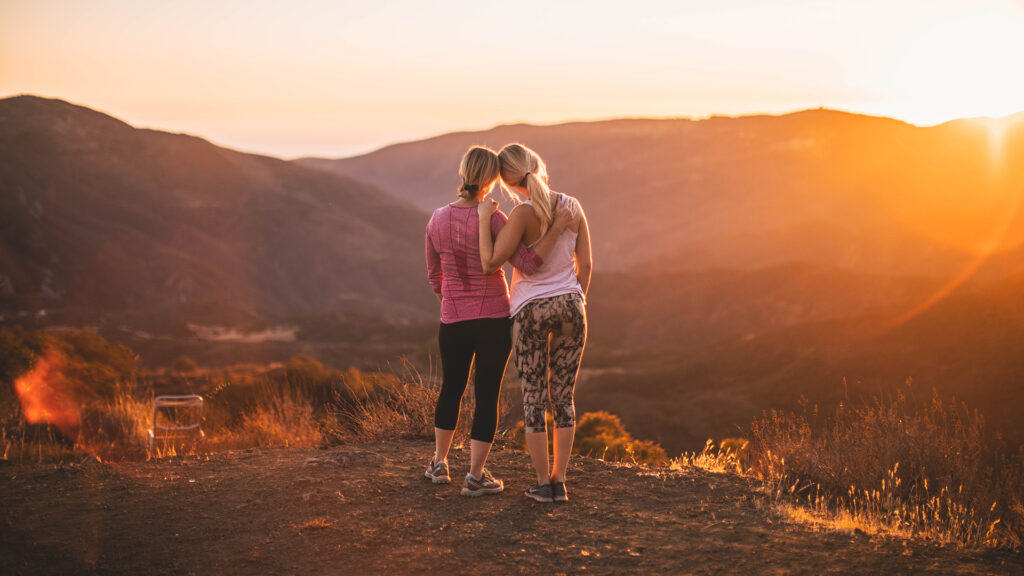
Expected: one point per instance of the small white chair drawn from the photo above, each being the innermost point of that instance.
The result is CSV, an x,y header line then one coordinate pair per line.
x,y
191,430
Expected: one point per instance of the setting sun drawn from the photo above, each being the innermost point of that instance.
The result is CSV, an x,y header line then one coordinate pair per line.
x,y
962,68
324,80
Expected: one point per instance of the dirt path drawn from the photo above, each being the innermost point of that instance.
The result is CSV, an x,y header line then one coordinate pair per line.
x,y
366,509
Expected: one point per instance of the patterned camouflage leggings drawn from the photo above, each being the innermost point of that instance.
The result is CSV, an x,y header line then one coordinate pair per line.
x,y
548,336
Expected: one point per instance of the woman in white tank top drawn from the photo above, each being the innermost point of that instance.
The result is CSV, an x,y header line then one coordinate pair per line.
x,y
549,322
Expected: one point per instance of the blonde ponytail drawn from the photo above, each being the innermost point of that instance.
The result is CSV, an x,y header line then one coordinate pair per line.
x,y
524,167
540,195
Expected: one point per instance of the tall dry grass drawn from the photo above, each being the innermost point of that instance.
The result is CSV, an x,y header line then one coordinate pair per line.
x,y
722,458
920,467
402,410
405,409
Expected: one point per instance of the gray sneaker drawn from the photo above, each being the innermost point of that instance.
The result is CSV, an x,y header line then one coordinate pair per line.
x,y
487,484
438,472
540,493
558,491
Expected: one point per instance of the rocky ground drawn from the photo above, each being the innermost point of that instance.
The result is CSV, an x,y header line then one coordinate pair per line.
x,y
366,509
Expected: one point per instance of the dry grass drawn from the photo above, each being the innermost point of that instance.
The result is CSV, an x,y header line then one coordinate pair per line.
x,y
924,468
405,409
900,466
22,442
314,524
310,406
300,404
713,459
281,418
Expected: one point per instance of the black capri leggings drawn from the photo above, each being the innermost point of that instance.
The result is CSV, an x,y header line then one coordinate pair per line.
x,y
490,339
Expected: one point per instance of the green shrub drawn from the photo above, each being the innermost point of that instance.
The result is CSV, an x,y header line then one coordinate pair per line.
x,y
602,435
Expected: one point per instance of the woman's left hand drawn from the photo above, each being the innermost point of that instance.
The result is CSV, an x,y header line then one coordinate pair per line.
x,y
564,217
486,207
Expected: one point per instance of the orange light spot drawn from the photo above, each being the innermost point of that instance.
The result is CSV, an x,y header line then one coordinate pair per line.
x,y
45,397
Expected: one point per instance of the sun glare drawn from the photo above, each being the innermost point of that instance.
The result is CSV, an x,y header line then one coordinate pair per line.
x,y
43,395
963,68
996,146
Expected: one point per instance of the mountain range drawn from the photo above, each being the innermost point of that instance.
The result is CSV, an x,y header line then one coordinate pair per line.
x,y
820,186
740,263
108,225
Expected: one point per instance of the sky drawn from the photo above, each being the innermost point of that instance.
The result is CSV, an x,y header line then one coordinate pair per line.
x,y
337,78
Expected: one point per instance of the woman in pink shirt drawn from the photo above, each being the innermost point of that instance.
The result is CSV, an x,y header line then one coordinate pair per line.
x,y
474,316
548,305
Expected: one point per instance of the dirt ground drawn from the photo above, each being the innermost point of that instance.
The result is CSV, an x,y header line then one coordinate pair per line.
x,y
366,509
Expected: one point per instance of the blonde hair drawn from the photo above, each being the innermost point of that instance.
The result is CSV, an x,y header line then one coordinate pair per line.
x,y
521,166
479,170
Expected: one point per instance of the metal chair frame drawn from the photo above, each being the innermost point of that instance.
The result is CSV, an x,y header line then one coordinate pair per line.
x,y
164,432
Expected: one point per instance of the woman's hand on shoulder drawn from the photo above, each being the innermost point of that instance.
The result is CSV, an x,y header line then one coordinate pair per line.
x,y
567,215
575,210
486,208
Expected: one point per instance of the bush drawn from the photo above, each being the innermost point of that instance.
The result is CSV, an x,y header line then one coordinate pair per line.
x,y
401,410
285,420
93,383
18,350
185,365
602,435
328,387
92,366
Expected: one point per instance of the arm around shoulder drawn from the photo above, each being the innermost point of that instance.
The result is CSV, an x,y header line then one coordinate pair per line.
x,y
506,242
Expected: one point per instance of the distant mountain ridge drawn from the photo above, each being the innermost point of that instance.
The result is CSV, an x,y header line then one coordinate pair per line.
x,y
102,220
821,186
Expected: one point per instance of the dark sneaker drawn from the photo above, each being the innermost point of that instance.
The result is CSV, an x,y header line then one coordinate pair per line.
x,y
558,491
540,493
438,472
487,484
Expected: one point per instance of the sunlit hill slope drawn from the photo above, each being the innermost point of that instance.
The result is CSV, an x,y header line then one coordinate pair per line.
x,y
741,262
108,225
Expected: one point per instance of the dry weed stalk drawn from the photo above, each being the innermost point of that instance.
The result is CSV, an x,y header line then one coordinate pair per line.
x,y
923,468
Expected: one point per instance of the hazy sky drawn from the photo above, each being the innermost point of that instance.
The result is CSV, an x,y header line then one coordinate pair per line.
x,y
337,78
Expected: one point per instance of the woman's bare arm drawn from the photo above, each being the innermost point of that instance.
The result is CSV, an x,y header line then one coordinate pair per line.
x,y
514,228
494,253
584,257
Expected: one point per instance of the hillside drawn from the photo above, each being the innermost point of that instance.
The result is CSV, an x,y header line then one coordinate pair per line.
x,y
104,224
743,262
784,269
686,356
822,186
366,509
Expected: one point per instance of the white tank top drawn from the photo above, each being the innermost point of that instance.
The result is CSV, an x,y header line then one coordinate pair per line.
x,y
556,277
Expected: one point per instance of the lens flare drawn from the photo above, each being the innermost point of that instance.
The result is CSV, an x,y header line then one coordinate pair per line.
x,y
46,397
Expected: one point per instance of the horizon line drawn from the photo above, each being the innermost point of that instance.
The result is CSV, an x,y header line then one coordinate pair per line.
x,y
527,123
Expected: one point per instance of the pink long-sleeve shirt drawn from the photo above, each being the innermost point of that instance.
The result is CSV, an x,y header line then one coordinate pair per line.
x,y
454,270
